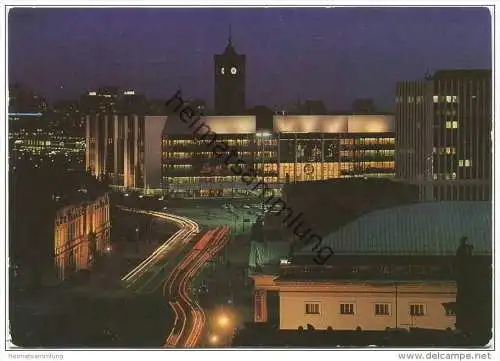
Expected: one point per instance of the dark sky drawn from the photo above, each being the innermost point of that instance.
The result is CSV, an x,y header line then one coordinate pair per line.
x,y
335,55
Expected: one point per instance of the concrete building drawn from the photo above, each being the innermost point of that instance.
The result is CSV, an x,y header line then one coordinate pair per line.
x,y
126,149
391,268
294,149
443,134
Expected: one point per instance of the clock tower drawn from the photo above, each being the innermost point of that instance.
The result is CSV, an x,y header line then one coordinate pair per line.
x,y
229,81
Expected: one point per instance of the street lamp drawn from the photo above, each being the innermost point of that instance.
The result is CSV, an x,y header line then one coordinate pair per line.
x,y
223,321
214,339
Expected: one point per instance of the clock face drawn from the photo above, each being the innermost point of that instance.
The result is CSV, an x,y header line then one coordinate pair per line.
x,y
222,70
233,70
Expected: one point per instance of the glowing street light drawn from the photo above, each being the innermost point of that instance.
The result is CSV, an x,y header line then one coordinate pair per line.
x,y
214,339
223,321
108,248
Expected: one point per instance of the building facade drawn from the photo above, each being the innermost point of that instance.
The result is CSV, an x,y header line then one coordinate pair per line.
x,y
126,149
362,305
81,234
391,268
443,134
295,149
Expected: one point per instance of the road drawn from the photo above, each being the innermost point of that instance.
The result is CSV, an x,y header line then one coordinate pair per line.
x,y
189,316
144,277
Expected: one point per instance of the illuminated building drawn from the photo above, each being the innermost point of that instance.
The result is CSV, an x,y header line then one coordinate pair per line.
x,y
112,100
295,149
81,234
319,147
58,225
190,169
230,77
443,133
392,268
125,149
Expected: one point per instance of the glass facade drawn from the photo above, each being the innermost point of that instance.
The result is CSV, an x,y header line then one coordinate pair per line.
x,y
190,167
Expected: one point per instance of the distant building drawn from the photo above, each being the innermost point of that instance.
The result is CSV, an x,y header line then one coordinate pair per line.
x,y
230,81
443,134
360,106
391,268
42,138
113,100
24,100
58,225
311,107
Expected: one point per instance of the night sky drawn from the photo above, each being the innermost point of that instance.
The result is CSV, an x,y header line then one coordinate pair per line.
x,y
335,55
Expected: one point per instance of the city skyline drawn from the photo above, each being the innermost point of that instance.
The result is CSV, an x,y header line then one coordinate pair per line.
x,y
340,46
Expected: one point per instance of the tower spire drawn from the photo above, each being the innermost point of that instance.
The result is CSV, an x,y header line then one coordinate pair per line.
x,y
229,40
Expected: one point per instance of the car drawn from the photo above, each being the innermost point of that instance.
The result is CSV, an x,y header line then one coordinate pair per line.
x,y
246,206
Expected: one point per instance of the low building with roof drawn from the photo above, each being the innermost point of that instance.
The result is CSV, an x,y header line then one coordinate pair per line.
x,y
390,268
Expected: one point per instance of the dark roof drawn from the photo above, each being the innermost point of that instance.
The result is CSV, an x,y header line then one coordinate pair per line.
x,y
433,228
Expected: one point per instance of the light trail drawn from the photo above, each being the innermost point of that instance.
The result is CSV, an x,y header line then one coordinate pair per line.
x,y
188,229
182,274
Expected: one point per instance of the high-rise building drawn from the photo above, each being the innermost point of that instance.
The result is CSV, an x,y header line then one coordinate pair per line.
x,y
443,135
230,76
113,100
125,149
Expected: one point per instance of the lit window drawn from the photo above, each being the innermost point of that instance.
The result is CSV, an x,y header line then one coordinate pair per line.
x,y
435,176
454,99
454,175
435,99
448,125
382,309
347,308
461,163
448,98
312,308
468,163
417,309
410,99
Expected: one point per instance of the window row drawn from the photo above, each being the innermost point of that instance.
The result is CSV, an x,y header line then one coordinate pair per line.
x,y
379,309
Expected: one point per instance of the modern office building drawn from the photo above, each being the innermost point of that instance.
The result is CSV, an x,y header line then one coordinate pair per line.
x,y
294,149
190,168
230,81
334,146
391,268
125,149
443,134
